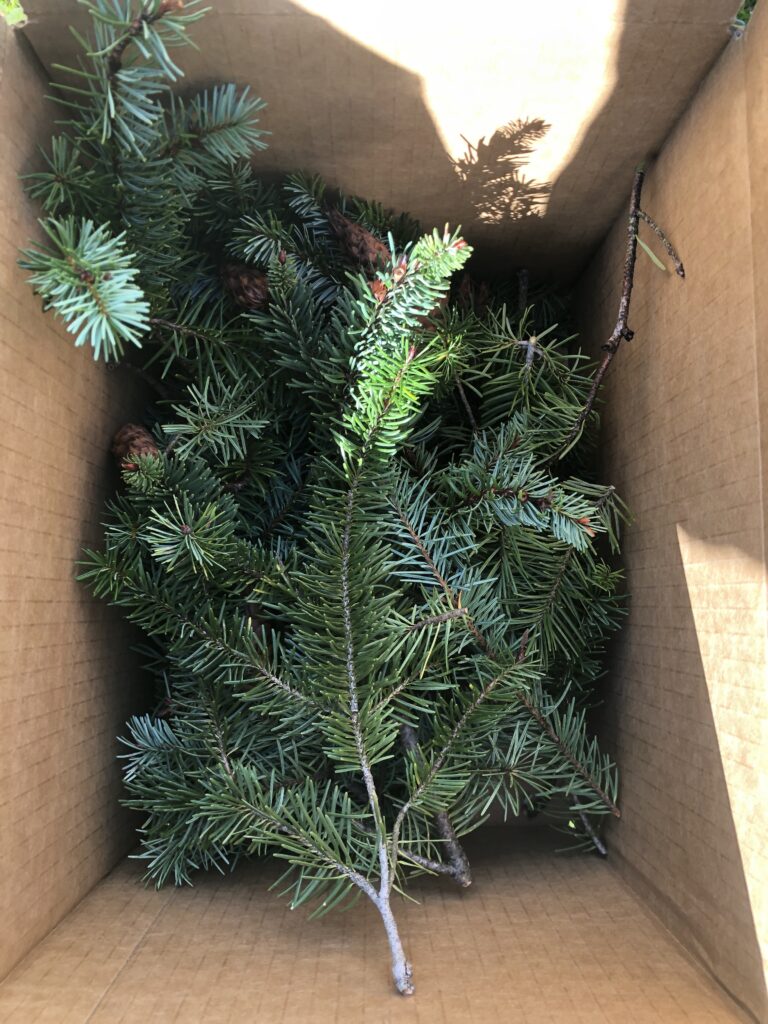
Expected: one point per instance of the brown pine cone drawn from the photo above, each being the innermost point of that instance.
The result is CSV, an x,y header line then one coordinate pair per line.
x,y
379,289
361,246
248,286
132,440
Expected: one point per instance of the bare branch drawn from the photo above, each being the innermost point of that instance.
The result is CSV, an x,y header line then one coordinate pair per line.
x,y
458,864
671,252
621,331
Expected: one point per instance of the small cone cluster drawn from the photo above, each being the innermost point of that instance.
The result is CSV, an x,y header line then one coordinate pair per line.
x,y
131,442
248,286
361,246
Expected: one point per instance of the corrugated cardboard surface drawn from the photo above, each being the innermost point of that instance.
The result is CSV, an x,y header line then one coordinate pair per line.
x,y
538,939
384,100
684,438
67,680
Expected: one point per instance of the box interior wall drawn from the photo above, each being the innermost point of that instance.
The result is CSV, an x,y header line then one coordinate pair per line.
x,y
684,423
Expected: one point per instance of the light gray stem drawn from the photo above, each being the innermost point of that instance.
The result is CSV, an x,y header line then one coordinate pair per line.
x,y
401,969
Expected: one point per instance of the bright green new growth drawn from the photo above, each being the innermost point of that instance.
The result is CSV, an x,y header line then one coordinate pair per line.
x,y
373,606
13,13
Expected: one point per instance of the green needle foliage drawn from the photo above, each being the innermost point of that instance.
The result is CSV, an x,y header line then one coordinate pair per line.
x,y
376,599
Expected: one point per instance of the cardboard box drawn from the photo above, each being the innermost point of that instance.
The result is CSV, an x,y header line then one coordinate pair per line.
x,y
377,100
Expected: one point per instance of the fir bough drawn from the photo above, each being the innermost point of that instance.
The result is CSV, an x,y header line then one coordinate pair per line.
x,y
376,605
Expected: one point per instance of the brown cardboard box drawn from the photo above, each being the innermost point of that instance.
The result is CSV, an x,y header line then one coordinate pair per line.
x,y
378,100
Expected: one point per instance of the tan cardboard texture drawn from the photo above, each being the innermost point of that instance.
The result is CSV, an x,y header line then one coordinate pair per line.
x,y
388,103
371,102
684,439
64,692
538,939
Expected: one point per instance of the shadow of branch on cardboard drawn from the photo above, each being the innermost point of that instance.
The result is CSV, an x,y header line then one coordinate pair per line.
x,y
491,173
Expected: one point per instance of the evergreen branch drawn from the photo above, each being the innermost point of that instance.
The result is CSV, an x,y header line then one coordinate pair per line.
x,y
89,279
458,864
558,582
567,755
422,549
219,126
454,600
114,56
465,403
184,623
435,620
586,824
279,517
263,672
395,692
276,823
487,649
441,758
354,704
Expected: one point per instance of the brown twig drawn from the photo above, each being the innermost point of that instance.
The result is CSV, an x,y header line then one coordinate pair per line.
x,y
671,251
435,866
458,863
523,650
621,331
157,321
115,55
457,858
436,620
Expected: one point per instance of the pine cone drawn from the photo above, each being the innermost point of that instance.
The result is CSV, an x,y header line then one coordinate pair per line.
x,y
132,440
379,289
247,285
361,246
